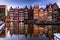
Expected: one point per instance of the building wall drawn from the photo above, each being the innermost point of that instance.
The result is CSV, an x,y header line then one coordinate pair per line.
x,y
3,12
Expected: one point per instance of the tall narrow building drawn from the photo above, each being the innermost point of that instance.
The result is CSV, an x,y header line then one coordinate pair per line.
x,y
46,14
41,14
26,12
36,11
49,9
30,13
55,12
21,14
10,14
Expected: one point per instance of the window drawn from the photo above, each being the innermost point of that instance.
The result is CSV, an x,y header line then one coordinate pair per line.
x,y
21,18
11,14
2,11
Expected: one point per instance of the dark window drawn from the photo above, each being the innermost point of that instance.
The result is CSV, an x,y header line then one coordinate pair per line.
x,y
2,11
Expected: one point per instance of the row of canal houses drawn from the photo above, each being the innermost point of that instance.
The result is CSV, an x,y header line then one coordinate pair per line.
x,y
50,13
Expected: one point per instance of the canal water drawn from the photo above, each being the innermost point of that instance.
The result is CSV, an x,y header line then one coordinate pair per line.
x,y
29,32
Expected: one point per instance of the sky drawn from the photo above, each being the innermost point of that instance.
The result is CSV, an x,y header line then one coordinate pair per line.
x,y
23,3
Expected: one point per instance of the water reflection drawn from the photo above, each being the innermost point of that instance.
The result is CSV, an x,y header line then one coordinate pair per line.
x,y
23,32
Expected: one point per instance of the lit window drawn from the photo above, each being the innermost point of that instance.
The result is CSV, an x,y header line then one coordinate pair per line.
x,y
41,15
36,14
41,10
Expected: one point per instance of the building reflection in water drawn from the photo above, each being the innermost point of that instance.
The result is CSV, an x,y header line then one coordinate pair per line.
x,y
6,31
20,29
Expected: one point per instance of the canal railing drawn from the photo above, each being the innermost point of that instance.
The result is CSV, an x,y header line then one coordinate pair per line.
x,y
2,27
57,36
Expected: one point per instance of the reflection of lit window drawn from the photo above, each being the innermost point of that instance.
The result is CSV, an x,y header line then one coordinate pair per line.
x,y
21,22
26,27
21,25
11,23
11,20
